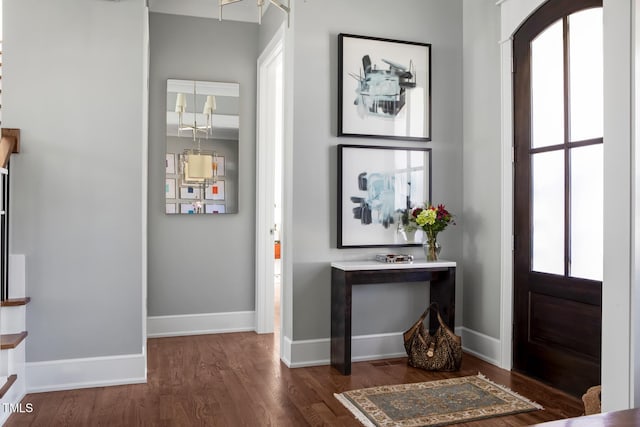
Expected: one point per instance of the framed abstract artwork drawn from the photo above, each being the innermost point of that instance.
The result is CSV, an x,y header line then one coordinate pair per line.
x,y
384,88
376,186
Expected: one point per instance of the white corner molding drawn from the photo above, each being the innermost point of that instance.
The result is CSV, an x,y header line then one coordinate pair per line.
x,y
70,374
198,324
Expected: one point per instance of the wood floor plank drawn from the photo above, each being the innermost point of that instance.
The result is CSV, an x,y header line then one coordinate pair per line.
x,y
237,379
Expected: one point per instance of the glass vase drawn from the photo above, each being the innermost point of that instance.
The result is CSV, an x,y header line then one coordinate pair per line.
x,y
408,233
431,248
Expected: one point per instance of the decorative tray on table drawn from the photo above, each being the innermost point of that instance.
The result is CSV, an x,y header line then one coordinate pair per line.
x,y
394,258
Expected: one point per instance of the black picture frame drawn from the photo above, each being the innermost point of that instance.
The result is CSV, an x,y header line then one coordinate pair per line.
x,y
375,184
384,88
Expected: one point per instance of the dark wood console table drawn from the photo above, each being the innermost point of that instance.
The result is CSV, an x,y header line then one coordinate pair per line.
x,y
441,276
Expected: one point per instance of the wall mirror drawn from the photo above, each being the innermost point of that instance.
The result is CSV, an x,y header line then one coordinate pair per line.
x,y
202,147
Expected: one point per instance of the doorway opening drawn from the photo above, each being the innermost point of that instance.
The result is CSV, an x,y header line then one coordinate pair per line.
x,y
269,166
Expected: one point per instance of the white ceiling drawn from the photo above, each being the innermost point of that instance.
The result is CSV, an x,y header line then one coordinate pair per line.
x,y
245,10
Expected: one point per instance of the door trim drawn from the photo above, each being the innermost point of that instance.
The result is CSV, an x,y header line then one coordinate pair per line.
x,y
506,208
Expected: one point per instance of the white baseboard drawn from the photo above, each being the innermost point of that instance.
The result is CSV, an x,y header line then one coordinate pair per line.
x,y
285,352
480,345
317,352
302,353
88,372
305,353
198,324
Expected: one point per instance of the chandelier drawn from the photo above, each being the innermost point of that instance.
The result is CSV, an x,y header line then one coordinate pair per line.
x,y
260,3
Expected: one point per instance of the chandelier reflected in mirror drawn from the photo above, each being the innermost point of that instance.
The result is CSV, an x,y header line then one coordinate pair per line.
x,y
198,168
260,3
181,108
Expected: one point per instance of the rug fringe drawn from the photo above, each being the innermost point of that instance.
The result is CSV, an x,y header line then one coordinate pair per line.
x,y
354,410
508,390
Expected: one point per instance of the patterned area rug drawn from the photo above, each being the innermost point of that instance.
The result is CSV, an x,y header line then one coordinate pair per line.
x,y
434,403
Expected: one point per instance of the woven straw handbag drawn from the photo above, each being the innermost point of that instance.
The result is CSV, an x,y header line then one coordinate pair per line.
x,y
441,351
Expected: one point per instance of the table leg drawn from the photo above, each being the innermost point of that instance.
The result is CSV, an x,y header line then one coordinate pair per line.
x,y
442,290
340,321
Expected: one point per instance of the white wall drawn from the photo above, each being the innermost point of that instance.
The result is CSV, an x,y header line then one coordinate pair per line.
x,y
377,308
271,22
481,167
73,82
617,370
245,11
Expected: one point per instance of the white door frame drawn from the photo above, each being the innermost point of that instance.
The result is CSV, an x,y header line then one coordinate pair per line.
x,y
265,195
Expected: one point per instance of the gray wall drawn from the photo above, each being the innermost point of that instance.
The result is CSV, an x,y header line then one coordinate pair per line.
x,y
481,166
73,82
317,25
271,21
201,264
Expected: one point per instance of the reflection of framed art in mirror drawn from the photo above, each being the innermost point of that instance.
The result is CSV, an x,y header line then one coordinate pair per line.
x,y
170,164
218,166
170,188
215,191
171,208
214,209
187,208
189,192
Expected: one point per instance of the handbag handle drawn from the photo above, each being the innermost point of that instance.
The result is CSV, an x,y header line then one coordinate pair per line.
x,y
426,313
410,332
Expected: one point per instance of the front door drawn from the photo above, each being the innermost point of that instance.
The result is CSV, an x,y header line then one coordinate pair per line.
x,y
558,194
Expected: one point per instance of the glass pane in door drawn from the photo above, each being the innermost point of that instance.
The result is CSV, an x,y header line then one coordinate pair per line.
x,y
585,74
547,176
547,88
587,210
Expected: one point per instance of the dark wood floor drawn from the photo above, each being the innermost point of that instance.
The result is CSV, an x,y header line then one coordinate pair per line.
x,y
238,380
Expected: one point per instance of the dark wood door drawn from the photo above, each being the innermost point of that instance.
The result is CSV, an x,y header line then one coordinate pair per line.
x,y
558,194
